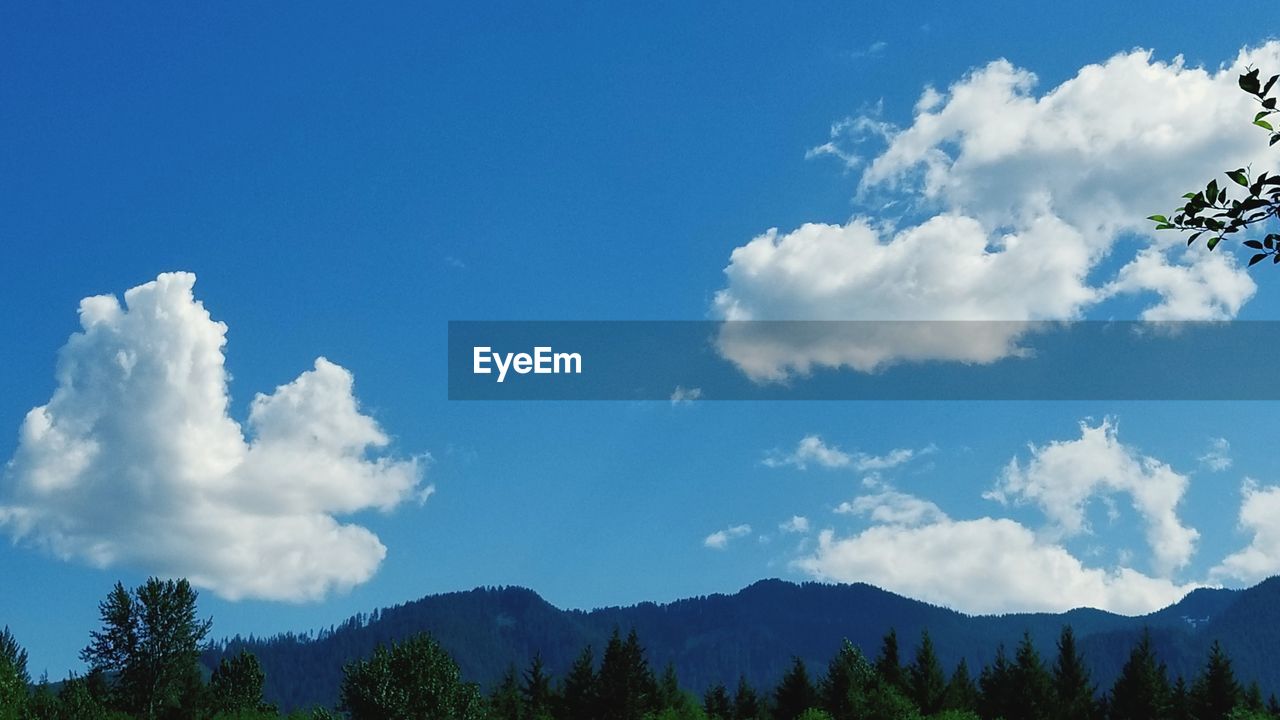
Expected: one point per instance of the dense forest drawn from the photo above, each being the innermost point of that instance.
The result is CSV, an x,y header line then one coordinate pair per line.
x,y
754,633
151,659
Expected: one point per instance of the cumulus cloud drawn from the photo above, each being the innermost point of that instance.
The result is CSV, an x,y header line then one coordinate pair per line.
x,y
135,459
1261,559
987,565
1024,196
994,564
813,450
1061,478
720,539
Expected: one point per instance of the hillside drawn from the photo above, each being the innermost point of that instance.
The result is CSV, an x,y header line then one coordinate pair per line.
x,y
755,632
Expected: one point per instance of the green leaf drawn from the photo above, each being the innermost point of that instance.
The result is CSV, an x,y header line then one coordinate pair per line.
x,y
1158,218
1249,82
1263,124
1255,244
1239,176
1213,242
1257,259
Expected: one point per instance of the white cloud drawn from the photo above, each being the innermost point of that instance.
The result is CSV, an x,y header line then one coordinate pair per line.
x,y
1218,458
890,507
1029,194
136,461
986,565
685,396
797,524
993,565
1061,477
720,539
1261,559
813,450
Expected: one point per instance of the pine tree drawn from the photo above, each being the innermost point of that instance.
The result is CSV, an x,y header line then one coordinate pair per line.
x,y
1216,692
961,692
539,698
795,693
848,675
925,680
15,654
1035,688
1180,701
746,702
1273,706
1253,698
995,699
1072,691
505,702
1142,690
888,664
580,694
628,689
716,703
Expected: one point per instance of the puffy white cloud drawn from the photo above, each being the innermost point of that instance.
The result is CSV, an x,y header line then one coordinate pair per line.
x,y
720,539
1061,477
135,459
986,565
1261,559
890,507
797,524
1219,456
1028,195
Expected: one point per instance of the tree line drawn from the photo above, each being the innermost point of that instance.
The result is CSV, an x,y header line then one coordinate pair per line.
x,y
144,663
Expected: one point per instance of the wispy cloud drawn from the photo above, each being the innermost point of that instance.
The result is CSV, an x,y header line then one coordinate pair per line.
x,y
720,539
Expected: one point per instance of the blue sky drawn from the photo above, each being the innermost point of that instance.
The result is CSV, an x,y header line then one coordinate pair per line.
x,y
343,182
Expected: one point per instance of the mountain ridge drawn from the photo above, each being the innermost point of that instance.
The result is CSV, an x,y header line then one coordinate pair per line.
x,y
755,631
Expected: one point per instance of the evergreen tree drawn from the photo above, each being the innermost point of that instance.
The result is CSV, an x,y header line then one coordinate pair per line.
x,y
579,696
746,703
539,698
669,694
627,686
1180,701
15,654
716,704
76,701
888,664
1253,701
1072,691
1273,706
925,680
795,693
13,691
995,699
848,675
1142,690
505,702
1216,692
1034,697
961,693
